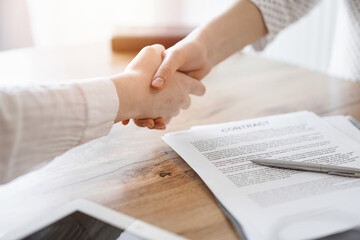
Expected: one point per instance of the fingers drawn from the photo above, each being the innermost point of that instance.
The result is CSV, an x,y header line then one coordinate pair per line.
x,y
125,122
151,55
199,74
160,124
186,104
146,122
197,88
194,86
172,61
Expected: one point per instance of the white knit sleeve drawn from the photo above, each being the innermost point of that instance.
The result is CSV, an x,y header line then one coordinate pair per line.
x,y
278,14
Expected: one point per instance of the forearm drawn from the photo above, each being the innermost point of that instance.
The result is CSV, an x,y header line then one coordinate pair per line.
x,y
39,123
228,33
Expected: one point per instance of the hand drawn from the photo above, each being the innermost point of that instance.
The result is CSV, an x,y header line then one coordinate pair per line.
x,y
211,43
189,56
138,100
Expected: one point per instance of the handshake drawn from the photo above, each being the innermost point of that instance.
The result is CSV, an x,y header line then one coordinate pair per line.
x,y
154,87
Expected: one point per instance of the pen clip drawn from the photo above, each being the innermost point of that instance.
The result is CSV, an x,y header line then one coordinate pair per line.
x,y
345,174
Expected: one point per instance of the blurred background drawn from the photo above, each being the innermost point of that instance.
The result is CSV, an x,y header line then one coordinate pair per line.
x,y
54,23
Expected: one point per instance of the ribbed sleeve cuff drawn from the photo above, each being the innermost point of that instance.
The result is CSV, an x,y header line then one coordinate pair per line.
x,y
102,104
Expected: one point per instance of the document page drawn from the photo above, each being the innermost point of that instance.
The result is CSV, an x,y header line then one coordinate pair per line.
x,y
273,203
345,126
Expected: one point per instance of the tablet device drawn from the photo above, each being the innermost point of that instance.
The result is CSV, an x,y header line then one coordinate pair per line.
x,y
85,220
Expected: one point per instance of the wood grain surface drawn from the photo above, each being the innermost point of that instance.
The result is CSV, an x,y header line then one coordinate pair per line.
x,y
132,170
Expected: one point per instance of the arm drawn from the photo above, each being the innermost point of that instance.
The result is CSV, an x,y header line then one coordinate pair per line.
x,y
246,22
39,123
210,44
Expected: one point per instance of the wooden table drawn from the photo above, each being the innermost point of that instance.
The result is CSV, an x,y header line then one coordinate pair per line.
x,y
132,170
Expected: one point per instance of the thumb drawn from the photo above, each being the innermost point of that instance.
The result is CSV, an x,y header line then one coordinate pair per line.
x,y
172,61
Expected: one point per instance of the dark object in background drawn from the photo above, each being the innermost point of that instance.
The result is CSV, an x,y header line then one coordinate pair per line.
x,y
77,226
135,38
352,234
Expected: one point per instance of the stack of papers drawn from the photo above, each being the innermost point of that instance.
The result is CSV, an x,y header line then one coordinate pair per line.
x,y
272,203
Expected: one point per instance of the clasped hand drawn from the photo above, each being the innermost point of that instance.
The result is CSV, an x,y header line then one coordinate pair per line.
x,y
192,57
152,108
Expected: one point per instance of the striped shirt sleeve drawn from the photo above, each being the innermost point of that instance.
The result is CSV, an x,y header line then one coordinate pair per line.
x,y
38,123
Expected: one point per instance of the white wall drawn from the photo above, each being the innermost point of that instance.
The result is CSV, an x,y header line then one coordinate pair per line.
x,y
306,43
65,22
14,25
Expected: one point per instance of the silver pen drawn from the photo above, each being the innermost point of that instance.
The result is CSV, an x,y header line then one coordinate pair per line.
x,y
312,167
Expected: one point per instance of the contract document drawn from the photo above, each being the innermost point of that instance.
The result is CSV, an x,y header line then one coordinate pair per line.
x,y
272,203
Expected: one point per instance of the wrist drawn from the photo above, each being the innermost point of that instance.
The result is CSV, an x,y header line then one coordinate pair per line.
x,y
127,104
209,44
205,39
231,31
